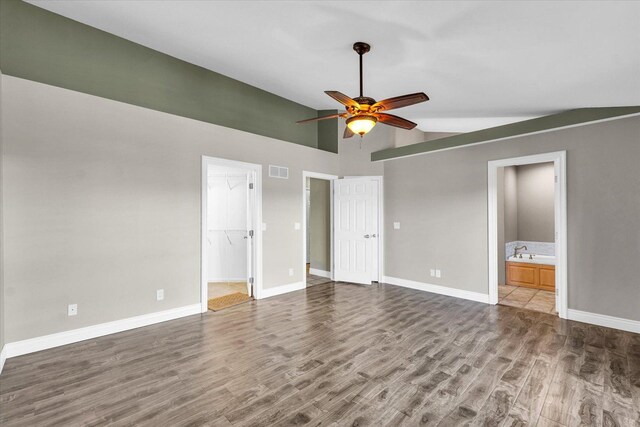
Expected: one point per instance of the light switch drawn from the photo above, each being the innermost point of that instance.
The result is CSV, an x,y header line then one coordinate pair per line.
x,y
264,226
396,226
296,225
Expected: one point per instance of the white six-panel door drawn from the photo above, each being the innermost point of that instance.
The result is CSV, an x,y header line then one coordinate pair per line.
x,y
355,230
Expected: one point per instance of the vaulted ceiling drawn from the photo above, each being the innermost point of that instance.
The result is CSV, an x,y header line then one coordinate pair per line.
x,y
482,63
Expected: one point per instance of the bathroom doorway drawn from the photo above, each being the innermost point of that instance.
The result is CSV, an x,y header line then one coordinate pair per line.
x,y
317,227
527,233
230,242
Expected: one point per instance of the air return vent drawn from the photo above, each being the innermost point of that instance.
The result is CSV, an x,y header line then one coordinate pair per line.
x,y
278,172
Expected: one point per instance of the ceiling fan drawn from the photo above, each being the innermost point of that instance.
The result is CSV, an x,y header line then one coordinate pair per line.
x,y
363,112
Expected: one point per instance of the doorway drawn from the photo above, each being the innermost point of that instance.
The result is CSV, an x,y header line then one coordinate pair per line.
x,y
527,232
317,227
355,229
231,247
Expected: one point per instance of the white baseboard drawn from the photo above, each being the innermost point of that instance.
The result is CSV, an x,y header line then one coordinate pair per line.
x,y
604,320
279,290
437,289
3,357
32,345
320,273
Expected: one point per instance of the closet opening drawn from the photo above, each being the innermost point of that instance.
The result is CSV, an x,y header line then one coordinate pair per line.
x,y
230,233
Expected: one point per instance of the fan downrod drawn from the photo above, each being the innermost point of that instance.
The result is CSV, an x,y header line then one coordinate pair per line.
x,y
361,48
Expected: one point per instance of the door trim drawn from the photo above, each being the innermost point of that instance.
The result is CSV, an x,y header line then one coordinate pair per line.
x,y
380,180
326,177
257,224
559,159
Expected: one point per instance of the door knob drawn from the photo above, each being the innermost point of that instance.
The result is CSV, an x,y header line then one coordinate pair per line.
x,y
366,236
373,235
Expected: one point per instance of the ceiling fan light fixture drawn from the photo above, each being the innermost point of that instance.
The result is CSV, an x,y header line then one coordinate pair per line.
x,y
361,124
364,112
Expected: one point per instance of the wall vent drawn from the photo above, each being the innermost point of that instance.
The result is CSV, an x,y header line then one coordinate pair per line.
x,y
278,172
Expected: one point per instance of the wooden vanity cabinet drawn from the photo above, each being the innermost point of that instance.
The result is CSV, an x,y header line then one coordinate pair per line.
x,y
538,276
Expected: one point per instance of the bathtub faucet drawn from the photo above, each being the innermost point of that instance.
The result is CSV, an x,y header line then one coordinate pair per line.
x,y
515,252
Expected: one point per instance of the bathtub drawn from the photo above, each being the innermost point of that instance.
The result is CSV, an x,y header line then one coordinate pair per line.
x,y
536,259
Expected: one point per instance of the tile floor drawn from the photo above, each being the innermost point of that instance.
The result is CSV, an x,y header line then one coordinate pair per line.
x,y
531,299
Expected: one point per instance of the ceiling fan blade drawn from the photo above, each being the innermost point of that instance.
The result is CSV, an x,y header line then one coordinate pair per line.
x,y
314,119
347,133
391,120
342,98
400,101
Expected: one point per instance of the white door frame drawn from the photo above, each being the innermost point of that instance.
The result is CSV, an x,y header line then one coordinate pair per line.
x,y
326,177
380,180
559,159
257,224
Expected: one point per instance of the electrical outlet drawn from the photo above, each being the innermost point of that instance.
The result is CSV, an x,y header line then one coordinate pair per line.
x,y
438,274
72,310
296,226
291,272
159,294
396,226
433,272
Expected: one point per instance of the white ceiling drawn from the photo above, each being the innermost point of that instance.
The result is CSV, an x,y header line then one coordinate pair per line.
x,y
481,63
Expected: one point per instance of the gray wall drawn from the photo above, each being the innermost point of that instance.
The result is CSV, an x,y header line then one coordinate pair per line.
x,y
2,324
510,204
500,197
441,201
102,206
404,137
536,202
320,224
507,214
408,137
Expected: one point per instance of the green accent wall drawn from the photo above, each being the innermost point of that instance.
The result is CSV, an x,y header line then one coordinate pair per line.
x,y
39,45
554,121
328,132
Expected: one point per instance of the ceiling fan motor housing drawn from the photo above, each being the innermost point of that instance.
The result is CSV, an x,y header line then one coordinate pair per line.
x,y
364,107
364,100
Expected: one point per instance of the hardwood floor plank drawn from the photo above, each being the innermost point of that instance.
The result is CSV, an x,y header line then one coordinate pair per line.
x,y
618,393
336,354
545,422
572,398
528,405
494,412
